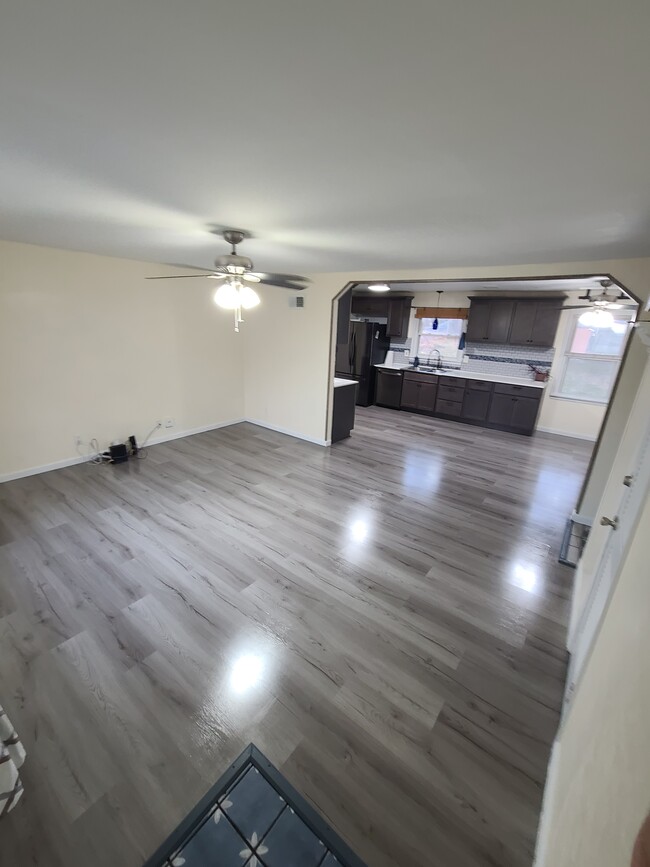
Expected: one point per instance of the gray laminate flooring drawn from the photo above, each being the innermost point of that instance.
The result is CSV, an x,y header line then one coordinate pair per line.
x,y
384,619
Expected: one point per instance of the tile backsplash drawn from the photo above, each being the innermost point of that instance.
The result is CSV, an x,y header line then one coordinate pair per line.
x,y
509,360
495,358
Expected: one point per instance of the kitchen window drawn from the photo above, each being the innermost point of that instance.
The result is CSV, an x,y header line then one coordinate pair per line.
x,y
591,360
445,338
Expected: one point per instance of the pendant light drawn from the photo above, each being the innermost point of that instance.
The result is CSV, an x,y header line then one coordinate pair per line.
x,y
435,321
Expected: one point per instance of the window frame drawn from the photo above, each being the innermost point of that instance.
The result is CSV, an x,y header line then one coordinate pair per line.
x,y
567,355
458,355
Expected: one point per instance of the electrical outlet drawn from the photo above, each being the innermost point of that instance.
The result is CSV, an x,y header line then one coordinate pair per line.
x,y
78,441
169,422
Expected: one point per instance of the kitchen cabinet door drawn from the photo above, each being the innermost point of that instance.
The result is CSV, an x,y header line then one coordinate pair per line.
x,y
410,394
524,413
476,404
547,317
490,320
369,305
523,322
500,321
478,321
427,396
516,413
500,412
399,314
534,323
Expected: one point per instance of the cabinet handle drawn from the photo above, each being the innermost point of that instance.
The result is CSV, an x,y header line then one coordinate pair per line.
x,y
609,522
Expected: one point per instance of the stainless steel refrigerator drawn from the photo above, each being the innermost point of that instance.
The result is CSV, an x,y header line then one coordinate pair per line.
x,y
367,346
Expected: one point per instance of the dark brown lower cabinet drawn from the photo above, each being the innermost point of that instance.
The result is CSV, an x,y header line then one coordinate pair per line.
x,y
448,407
480,402
513,412
419,392
476,404
345,399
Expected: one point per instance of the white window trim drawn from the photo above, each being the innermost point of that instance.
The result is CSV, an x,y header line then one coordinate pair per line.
x,y
457,356
566,355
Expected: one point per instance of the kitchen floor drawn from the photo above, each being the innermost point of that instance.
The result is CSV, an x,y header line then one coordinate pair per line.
x,y
384,619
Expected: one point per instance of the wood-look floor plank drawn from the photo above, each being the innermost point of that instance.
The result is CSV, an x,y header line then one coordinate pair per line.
x,y
385,619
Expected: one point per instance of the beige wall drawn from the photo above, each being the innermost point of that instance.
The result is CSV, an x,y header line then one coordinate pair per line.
x,y
89,347
286,367
599,785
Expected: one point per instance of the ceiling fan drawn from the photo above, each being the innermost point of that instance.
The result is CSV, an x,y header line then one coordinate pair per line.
x,y
236,272
598,306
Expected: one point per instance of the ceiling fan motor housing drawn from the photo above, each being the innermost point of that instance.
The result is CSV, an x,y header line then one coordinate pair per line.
x,y
232,260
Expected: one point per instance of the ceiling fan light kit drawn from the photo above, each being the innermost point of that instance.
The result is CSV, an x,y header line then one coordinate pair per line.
x,y
237,271
598,318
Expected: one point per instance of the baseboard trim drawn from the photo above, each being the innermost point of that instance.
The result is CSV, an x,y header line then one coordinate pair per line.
x,y
71,462
165,438
561,433
168,437
44,468
291,433
549,798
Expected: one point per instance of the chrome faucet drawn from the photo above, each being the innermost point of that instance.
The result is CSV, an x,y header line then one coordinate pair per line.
x,y
439,363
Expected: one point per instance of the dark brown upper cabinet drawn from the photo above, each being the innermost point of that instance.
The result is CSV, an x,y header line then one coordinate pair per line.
x,y
369,305
519,322
534,323
489,320
399,314
396,309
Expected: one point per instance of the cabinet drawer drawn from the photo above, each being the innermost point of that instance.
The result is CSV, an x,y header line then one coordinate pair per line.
x,y
479,385
451,392
414,376
518,390
448,407
452,380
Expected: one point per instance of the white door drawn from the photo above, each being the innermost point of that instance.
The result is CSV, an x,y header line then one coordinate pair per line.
x,y
634,490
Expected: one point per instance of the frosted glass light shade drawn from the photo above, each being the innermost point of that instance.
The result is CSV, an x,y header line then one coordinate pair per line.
x,y
248,297
596,319
227,296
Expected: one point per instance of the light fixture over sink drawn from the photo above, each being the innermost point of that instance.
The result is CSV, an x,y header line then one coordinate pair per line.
x,y
379,287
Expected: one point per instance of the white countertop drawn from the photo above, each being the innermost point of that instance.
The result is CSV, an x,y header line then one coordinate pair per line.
x,y
339,381
471,374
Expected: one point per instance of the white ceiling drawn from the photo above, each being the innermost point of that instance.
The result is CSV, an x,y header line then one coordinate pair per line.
x,y
345,135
